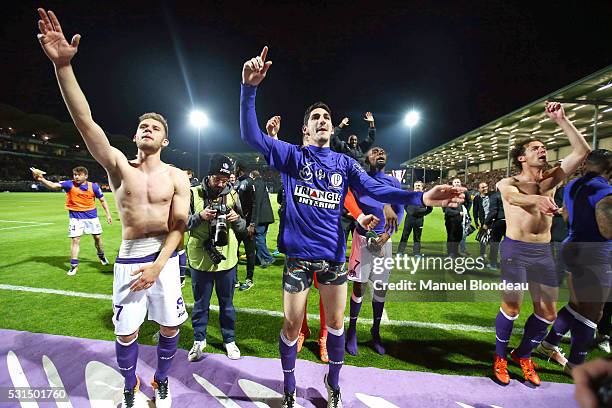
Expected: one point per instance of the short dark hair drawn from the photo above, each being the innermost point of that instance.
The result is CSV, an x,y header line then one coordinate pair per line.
x,y
80,169
519,150
600,159
157,117
314,106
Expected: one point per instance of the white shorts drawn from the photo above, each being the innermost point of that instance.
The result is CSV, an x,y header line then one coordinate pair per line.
x,y
80,226
364,266
163,301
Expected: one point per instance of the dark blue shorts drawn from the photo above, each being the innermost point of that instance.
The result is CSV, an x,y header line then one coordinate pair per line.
x,y
299,274
523,262
590,266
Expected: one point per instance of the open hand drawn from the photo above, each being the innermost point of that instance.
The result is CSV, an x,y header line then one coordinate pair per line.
x,y
52,39
444,196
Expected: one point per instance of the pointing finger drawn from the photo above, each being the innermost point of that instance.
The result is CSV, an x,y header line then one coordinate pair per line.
x,y
264,53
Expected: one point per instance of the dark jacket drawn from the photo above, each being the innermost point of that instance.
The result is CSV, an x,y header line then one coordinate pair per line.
x,y
264,214
417,211
246,191
358,153
280,198
496,209
478,209
558,231
452,213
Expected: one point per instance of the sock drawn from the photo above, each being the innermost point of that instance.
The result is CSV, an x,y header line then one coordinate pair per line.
x,y
74,262
182,262
535,331
288,354
583,331
503,331
351,334
166,349
323,325
335,350
378,307
127,356
565,319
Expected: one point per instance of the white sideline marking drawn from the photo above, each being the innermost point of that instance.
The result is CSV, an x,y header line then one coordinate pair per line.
x,y
26,226
274,313
385,316
18,377
216,393
29,224
23,222
54,379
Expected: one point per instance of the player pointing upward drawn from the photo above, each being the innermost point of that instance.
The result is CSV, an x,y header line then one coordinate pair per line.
x,y
153,202
316,181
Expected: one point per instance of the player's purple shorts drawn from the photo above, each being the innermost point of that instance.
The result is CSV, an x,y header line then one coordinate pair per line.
x,y
523,262
590,266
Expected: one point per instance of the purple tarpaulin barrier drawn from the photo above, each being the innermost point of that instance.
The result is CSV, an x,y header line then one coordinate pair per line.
x,y
87,370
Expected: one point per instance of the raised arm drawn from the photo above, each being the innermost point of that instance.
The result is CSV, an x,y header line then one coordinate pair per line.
x,y
371,137
276,152
580,148
49,184
513,196
60,52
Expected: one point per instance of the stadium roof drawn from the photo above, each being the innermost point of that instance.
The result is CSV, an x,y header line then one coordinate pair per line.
x,y
583,100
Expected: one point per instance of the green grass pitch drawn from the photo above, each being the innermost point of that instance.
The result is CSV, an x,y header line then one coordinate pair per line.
x,y
34,252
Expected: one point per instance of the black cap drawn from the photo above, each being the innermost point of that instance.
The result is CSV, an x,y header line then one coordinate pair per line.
x,y
220,164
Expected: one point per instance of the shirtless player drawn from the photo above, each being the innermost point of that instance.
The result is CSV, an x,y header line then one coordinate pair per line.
x,y
153,202
525,252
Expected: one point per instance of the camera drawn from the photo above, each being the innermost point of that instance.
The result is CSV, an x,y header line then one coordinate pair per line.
x,y
219,224
215,256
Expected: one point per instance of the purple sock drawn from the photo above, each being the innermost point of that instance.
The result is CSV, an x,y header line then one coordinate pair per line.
x,y
535,331
561,326
503,331
74,262
288,354
182,262
127,356
335,351
377,309
583,331
166,349
351,334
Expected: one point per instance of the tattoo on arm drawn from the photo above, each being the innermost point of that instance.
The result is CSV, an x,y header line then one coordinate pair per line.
x,y
603,215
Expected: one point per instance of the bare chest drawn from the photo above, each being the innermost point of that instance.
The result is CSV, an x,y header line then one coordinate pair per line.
x,y
534,188
155,189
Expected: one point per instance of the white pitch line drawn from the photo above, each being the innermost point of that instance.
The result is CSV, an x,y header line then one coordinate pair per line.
x,y
25,222
26,226
274,313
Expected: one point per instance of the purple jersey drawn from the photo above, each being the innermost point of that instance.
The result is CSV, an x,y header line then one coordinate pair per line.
x,y
370,205
316,181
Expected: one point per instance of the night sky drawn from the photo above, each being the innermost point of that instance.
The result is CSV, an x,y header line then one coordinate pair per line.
x,y
458,63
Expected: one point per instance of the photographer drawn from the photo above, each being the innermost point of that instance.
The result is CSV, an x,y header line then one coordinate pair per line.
x,y
212,250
